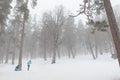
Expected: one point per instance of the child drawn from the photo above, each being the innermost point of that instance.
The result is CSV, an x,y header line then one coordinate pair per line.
x,y
28,64
17,68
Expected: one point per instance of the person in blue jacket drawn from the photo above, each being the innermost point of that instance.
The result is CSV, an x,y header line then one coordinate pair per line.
x,y
28,64
17,68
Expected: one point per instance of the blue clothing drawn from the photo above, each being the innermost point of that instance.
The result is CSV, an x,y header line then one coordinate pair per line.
x,y
29,62
17,69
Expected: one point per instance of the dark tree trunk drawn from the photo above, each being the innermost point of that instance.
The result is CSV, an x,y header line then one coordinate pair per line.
x,y
21,45
13,55
96,46
6,59
92,52
58,52
69,55
90,48
45,55
54,54
13,58
113,26
72,52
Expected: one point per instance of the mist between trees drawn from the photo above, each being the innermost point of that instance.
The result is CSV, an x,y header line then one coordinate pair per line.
x,y
56,35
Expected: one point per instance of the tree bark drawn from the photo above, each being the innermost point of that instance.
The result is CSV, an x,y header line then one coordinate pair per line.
x,y
72,52
96,46
54,56
21,45
90,48
7,52
58,52
45,55
69,56
13,54
113,26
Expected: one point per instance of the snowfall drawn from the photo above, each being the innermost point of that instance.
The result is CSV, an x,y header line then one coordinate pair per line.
x,y
80,68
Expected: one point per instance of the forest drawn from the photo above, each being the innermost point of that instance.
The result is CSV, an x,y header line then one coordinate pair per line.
x,y
55,34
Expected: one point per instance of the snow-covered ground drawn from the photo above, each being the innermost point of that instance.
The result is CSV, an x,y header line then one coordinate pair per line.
x,y
81,68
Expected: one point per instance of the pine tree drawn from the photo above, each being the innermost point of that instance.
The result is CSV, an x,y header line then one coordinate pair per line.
x,y
98,6
113,26
4,12
24,12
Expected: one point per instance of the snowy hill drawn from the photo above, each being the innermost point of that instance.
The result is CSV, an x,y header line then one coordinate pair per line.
x,y
81,68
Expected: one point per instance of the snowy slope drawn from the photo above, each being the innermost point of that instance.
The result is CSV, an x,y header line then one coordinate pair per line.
x,y
81,68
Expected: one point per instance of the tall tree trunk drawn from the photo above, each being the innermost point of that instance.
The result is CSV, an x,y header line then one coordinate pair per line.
x,y
13,57
96,46
113,26
90,48
21,45
2,59
85,47
1,55
45,55
58,52
54,54
69,53
13,54
92,52
31,52
101,49
72,52
6,59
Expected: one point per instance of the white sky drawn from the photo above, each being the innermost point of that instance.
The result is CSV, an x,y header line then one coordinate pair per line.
x,y
72,5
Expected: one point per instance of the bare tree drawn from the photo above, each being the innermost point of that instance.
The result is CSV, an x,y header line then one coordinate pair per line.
x,y
54,23
59,20
69,36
